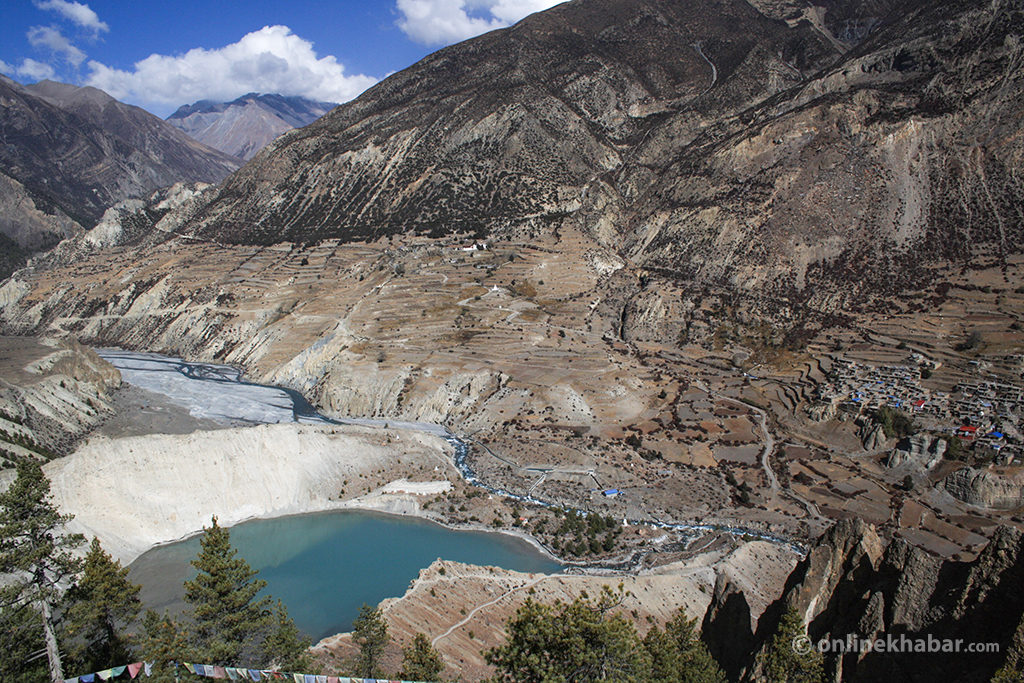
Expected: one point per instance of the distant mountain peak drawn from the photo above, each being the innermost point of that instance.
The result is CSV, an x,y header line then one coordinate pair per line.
x,y
246,124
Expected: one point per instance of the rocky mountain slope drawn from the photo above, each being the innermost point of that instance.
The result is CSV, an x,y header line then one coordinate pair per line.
x,y
68,153
244,126
764,162
805,158
509,128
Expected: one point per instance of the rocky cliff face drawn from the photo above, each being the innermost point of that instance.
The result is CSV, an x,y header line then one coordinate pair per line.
x,y
852,584
244,126
69,153
873,437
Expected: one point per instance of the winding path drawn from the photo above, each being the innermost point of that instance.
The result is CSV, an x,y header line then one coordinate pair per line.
x,y
762,421
476,609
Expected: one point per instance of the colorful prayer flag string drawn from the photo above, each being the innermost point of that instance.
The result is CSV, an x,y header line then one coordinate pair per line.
x,y
229,672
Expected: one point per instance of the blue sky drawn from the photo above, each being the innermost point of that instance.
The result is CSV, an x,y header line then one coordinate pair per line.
x,y
161,55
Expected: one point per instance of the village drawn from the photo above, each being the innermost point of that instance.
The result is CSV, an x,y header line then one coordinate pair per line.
x,y
984,414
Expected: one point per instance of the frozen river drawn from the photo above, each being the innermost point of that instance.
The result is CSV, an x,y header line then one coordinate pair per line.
x,y
219,393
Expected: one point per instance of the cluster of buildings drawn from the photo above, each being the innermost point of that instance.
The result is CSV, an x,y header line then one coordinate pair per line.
x,y
985,414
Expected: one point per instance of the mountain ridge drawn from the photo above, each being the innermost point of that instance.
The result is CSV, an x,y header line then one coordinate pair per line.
x,y
246,124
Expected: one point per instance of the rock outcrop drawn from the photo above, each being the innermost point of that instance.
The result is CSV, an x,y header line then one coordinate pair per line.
x,y
873,437
727,628
131,222
986,488
920,452
852,585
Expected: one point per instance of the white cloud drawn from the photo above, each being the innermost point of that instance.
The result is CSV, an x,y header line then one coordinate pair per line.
x,y
51,38
36,71
76,12
443,22
271,60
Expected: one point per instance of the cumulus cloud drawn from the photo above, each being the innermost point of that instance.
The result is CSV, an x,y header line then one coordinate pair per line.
x,y
443,22
33,70
75,12
271,60
51,38
29,69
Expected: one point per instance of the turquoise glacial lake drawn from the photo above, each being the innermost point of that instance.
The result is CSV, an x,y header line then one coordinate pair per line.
x,y
324,566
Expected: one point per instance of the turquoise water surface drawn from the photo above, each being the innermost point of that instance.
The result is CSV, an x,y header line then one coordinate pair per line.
x,y
324,566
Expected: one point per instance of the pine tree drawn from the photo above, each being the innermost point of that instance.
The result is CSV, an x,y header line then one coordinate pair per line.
x,y
1012,670
790,658
679,656
696,665
370,632
163,641
285,647
228,617
665,658
34,549
420,661
103,604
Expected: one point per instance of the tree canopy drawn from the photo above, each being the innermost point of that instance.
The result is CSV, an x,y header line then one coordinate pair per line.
x,y
163,641
578,641
790,657
678,655
590,640
285,647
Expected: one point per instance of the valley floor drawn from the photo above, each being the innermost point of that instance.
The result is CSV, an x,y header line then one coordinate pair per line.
x,y
568,390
